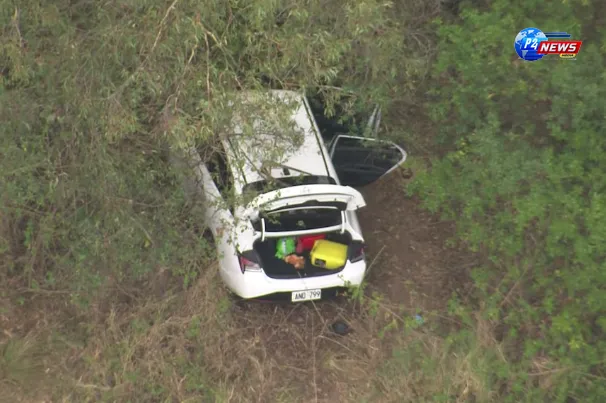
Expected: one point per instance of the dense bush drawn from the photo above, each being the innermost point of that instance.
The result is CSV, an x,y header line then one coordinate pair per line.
x,y
525,183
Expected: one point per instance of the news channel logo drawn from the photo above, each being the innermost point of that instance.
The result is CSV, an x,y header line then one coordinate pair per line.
x,y
528,42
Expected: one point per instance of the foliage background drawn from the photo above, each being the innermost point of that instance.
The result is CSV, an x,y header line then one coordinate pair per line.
x,y
525,182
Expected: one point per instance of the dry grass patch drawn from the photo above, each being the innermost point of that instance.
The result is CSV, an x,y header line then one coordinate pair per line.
x,y
23,363
198,345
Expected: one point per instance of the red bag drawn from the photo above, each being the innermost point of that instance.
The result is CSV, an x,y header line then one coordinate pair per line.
x,y
305,243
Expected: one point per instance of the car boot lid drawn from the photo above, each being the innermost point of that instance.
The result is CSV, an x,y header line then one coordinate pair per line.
x,y
349,197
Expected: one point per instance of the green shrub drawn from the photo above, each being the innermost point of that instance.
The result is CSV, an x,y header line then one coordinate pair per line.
x,y
525,182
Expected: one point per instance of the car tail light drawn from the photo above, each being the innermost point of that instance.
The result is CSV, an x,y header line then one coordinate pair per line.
x,y
249,261
356,252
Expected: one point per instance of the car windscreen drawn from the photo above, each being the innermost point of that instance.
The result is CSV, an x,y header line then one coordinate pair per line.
x,y
299,219
265,186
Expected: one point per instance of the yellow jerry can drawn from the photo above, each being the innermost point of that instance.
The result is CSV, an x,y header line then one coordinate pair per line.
x,y
328,255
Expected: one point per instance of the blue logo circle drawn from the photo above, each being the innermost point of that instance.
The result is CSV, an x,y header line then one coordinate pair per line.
x,y
527,43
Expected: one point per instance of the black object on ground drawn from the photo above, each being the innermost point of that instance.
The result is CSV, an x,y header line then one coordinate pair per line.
x,y
340,327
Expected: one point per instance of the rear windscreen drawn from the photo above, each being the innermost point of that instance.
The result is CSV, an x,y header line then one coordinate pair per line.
x,y
300,219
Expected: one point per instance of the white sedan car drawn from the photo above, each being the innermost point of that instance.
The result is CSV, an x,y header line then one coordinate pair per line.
x,y
307,190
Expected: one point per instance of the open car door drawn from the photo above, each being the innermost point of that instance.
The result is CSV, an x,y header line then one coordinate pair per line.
x,y
374,121
365,122
360,161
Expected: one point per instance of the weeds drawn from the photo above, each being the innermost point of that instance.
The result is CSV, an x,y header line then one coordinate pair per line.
x,y
198,344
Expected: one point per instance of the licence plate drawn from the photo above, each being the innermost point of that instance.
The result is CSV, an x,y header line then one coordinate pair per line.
x,y
306,295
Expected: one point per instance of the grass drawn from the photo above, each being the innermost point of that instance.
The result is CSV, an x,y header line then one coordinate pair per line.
x,y
20,362
199,345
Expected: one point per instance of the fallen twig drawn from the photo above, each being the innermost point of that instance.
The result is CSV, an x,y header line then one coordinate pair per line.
x,y
43,291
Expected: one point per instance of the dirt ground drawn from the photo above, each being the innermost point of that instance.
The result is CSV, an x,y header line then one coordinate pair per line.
x,y
413,266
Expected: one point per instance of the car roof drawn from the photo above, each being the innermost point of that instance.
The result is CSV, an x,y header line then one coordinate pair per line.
x,y
301,151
